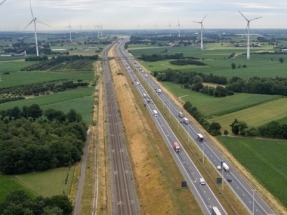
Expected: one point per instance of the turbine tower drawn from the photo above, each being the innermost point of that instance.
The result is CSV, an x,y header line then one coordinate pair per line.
x,y
248,35
178,25
201,32
169,26
70,28
34,20
2,2
97,29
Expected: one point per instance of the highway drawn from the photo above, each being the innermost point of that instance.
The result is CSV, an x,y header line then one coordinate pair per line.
x,y
124,200
202,193
250,198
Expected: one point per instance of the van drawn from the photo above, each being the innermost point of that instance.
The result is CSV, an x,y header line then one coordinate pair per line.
x,y
200,137
185,120
155,113
201,181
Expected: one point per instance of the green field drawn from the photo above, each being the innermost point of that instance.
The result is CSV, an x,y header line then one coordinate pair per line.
x,y
79,99
217,106
257,115
265,159
216,59
13,65
9,184
47,183
22,78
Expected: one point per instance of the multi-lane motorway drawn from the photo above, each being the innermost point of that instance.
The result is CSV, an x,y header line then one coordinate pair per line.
x,y
202,193
250,198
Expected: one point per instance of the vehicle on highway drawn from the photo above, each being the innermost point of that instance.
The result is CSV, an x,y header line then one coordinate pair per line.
x,y
218,167
215,211
200,137
159,91
225,166
180,114
185,120
229,179
202,181
176,146
155,113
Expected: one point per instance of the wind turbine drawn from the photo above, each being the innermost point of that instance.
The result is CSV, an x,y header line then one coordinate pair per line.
x,y
97,29
70,28
169,26
101,27
34,19
248,35
2,2
201,32
178,25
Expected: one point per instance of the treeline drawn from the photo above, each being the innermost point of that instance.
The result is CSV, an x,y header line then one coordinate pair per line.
x,y
19,203
213,128
35,140
257,85
270,130
182,62
58,60
158,57
19,92
194,81
180,77
37,58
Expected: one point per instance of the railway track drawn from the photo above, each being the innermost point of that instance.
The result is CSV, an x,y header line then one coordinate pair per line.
x,y
124,201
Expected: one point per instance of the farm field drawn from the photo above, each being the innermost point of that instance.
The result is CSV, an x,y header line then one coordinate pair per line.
x,y
13,65
265,159
9,184
216,59
78,99
257,115
48,183
217,106
22,78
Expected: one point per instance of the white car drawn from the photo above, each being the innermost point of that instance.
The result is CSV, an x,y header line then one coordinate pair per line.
x,y
201,181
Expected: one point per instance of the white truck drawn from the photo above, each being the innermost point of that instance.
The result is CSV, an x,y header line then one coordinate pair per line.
x,y
225,166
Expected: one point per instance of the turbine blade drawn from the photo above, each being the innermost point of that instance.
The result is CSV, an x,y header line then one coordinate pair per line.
x,y
243,16
2,2
31,9
43,23
203,18
255,18
197,22
29,24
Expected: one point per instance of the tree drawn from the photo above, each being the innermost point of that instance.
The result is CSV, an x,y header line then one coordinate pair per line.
x,y
233,66
238,127
225,132
281,60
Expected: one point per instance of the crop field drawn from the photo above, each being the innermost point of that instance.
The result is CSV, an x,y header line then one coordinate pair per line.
x,y
9,184
216,59
257,115
22,78
48,183
80,100
13,65
217,106
265,159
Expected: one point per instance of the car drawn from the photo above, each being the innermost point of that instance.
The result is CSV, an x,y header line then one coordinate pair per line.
x,y
229,179
201,181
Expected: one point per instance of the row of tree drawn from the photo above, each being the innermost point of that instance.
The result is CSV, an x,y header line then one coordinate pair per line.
x,y
182,62
257,85
33,141
213,128
158,57
19,203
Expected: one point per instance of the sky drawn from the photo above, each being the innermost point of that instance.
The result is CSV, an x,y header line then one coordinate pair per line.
x,y
142,14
